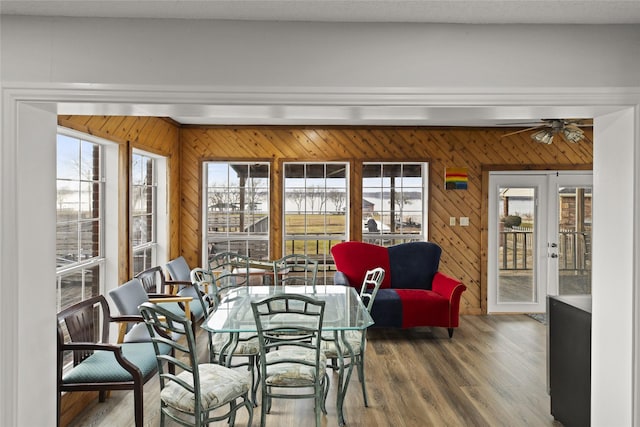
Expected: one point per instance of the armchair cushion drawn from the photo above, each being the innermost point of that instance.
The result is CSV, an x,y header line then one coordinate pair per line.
x,y
368,257
414,264
102,366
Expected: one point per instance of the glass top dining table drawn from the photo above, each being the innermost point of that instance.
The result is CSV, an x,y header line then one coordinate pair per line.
x,y
344,311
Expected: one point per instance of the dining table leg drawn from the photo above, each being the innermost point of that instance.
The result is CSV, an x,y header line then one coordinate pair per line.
x,y
343,380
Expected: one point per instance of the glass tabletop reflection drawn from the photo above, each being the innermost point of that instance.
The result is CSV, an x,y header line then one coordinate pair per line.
x,y
344,309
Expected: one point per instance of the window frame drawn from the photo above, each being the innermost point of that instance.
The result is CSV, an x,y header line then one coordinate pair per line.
x,y
391,238
224,241
157,243
107,247
324,264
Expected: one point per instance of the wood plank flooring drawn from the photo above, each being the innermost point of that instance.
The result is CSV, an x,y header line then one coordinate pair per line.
x,y
492,373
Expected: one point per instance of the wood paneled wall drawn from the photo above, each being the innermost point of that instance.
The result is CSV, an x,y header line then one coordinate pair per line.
x,y
478,149
154,135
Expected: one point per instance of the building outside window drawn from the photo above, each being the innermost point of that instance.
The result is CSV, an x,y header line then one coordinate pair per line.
x,y
394,202
80,219
236,208
316,198
144,211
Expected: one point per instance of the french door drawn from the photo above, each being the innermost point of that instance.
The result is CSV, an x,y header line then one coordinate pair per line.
x,y
539,238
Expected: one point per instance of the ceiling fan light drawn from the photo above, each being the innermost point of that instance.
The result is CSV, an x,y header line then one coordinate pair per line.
x,y
573,134
544,136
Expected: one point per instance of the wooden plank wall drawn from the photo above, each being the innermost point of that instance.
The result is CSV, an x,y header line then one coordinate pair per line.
x,y
478,149
151,134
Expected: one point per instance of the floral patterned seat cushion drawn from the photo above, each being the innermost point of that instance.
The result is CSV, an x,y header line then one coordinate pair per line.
x,y
218,384
293,374
328,345
248,344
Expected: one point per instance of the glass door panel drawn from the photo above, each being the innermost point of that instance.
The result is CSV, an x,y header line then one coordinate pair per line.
x,y
573,247
516,245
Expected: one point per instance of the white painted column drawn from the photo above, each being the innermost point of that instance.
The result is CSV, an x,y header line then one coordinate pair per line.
x,y
614,248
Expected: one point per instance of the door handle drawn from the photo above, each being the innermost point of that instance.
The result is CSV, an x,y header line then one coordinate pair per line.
x,y
554,245
554,255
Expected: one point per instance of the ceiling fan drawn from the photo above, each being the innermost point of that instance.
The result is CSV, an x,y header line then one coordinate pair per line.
x,y
568,129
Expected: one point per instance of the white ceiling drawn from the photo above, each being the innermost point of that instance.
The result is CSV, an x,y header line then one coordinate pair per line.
x,y
434,11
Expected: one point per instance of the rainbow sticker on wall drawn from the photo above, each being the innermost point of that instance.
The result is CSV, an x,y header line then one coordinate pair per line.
x,y
455,178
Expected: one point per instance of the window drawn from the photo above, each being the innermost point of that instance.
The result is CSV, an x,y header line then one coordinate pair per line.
x,y
237,208
144,211
394,202
316,197
80,219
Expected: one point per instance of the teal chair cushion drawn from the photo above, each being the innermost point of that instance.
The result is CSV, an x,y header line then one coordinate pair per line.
x,y
102,366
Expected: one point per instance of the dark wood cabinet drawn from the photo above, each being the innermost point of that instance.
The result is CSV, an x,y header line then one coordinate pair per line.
x,y
569,357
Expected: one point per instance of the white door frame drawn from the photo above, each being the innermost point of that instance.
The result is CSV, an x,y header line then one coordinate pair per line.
x,y
536,180
561,178
545,271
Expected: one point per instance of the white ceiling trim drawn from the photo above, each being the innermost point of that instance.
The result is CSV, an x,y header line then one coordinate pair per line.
x,y
432,11
338,106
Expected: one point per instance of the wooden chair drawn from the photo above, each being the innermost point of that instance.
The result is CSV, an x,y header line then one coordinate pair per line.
x,y
289,330
83,331
128,297
180,281
190,397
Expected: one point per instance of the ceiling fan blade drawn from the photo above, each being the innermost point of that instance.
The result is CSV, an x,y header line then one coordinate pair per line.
x,y
522,130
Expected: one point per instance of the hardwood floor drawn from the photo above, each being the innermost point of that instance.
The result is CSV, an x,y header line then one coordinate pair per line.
x,y
492,373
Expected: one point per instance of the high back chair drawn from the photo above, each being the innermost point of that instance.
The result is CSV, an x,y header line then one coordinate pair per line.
x,y
198,394
153,281
295,269
246,345
126,299
357,339
289,330
180,280
98,364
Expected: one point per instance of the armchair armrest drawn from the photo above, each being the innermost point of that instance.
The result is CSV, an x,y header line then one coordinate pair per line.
x,y
122,321
174,285
446,285
185,301
452,289
339,278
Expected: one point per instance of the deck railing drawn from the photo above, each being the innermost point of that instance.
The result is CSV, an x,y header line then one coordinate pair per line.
x,y
517,249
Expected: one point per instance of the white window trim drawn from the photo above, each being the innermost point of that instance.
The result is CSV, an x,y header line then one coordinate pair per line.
x,y
161,245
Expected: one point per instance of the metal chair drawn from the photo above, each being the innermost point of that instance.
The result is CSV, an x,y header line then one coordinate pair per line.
x,y
289,330
295,269
357,339
230,269
190,397
246,345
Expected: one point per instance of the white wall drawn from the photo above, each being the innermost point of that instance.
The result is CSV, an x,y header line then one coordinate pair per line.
x,y
115,66
239,54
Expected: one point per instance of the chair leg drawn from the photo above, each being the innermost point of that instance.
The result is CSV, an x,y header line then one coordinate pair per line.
x,y
363,384
450,330
137,403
